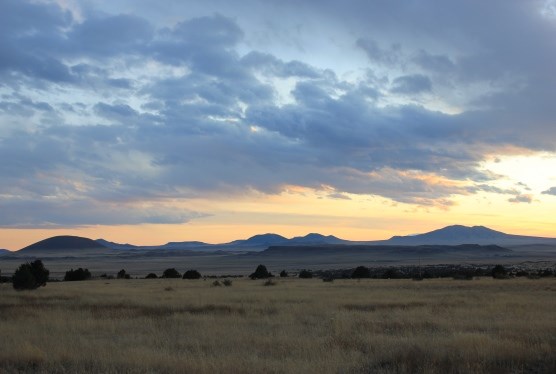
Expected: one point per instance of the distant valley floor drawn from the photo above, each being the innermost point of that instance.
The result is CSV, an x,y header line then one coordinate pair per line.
x,y
138,263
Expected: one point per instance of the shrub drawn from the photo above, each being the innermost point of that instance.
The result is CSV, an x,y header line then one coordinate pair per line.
x,y
391,273
216,283
123,275
283,274
499,272
463,275
151,276
227,282
546,273
261,273
192,274
77,275
305,274
361,272
30,276
171,273
328,279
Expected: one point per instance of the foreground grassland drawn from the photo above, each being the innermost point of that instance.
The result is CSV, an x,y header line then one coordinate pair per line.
x,y
371,326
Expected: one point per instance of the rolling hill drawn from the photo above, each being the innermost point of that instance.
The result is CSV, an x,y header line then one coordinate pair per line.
x,y
65,242
458,234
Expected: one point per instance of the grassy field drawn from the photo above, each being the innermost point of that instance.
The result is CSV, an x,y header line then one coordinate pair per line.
x,y
348,326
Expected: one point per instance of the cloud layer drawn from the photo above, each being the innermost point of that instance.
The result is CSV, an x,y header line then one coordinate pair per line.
x,y
109,117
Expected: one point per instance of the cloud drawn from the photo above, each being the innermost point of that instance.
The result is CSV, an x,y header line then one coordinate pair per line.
x,y
275,67
411,84
550,191
433,62
119,108
378,54
522,198
51,213
339,196
109,36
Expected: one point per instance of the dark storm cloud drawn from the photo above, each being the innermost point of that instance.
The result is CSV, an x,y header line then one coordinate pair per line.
x,y
118,108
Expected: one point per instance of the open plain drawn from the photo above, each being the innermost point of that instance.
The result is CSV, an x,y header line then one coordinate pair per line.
x,y
295,325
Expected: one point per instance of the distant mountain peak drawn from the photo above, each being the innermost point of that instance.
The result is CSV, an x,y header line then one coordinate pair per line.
x,y
316,238
263,239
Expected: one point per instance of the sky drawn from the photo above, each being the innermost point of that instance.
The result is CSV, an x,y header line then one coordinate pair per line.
x,y
145,122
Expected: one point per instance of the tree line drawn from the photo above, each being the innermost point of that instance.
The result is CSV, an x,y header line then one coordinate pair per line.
x,y
32,275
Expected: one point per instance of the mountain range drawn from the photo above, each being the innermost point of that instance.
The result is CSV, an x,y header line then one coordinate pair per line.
x,y
450,235
254,243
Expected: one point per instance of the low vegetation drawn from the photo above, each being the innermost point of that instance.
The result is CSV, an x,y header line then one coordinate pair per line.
x,y
361,272
30,275
305,274
171,273
261,272
346,326
191,274
77,275
122,274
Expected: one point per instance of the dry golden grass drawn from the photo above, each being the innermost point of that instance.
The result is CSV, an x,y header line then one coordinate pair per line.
x,y
371,326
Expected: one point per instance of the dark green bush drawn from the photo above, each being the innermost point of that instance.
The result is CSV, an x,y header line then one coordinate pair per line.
x,y
30,276
123,275
171,273
227,282
151,276
499,272
305,274
192,274
260,273
361,272
391,273
283,274
77,275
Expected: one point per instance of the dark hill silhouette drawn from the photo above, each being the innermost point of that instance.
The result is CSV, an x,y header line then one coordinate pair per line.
x,y
458,234
4,252
262,239
314,238
450,235
113,245
63,243
254,243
